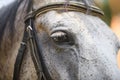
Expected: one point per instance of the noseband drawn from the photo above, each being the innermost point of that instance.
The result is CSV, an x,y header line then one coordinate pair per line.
x,y
30,36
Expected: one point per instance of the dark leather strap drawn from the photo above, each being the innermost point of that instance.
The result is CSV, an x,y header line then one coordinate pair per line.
x,y
37,48
34,50
19,58
72,6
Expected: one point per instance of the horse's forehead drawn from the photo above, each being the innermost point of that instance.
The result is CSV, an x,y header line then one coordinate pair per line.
x,y
76,21
69,20
73,21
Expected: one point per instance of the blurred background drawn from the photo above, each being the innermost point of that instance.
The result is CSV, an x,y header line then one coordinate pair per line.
x,y
111,9
5,2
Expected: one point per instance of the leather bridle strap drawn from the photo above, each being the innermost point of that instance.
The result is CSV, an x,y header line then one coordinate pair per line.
x,y
20,55
72,6
35,51
29,36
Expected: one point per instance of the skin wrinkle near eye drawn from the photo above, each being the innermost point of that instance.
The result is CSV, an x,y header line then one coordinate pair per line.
x,y
75,53
59,24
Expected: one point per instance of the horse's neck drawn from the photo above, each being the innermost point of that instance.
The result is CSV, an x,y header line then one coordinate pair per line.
x,y
10,46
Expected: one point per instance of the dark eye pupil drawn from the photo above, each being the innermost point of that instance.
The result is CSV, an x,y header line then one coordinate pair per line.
x,y
60,37
63,38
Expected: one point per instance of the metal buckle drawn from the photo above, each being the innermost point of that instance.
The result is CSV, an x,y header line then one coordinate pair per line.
x,y
23,43
29,28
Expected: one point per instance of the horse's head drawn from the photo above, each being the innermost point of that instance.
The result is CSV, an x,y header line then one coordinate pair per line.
x,y
76,46
72,42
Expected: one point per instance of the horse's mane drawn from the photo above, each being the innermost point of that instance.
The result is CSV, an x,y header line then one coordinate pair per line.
x,y
7,18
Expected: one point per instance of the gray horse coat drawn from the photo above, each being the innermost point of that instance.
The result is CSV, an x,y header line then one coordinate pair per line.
x,y
75,46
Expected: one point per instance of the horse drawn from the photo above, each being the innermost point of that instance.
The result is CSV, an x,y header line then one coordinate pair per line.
x,y
56,40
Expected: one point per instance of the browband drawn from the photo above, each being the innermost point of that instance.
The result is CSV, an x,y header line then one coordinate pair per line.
x,y
60,6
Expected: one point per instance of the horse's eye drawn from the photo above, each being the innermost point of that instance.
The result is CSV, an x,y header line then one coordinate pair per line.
x,y
61,37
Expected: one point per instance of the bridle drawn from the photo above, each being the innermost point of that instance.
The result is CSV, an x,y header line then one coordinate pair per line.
x,y
72,6
30,36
